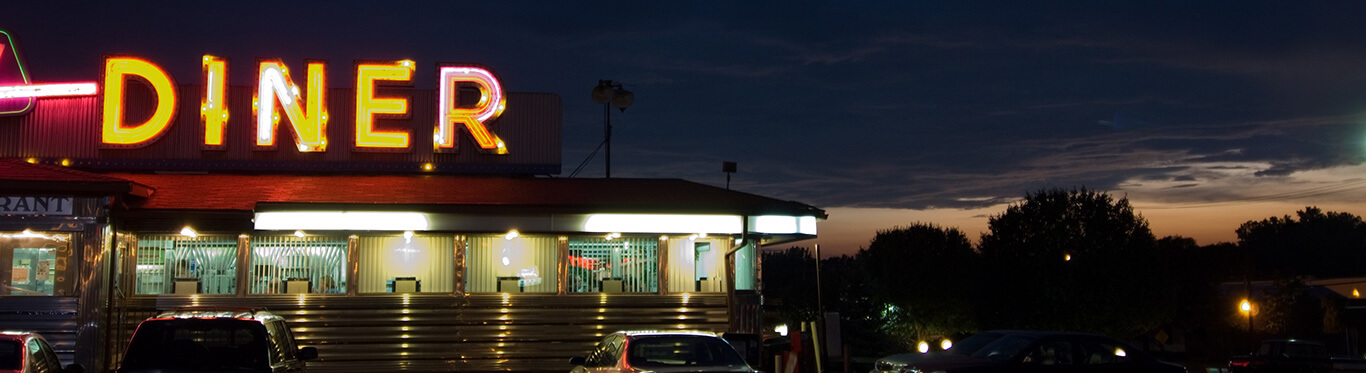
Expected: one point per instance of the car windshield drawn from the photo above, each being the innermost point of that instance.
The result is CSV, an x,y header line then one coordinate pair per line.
x,y
198,344
11,355
679,351
971,344
1004,348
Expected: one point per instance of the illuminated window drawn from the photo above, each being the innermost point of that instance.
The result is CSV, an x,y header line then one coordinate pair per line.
x,y
290,265
387,263
744,268
523,263
33,258
176,264
624,264
695,263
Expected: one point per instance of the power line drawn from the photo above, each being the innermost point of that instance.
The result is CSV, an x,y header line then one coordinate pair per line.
x,y
585,160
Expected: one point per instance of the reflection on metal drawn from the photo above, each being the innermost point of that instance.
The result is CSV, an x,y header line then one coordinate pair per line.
x,y
481,332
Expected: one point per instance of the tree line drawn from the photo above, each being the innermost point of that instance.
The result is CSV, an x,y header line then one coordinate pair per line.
x,y
1077,260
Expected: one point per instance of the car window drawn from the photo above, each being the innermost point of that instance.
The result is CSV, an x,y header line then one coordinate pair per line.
x,y
1005,348
282,343
1050,352
682,351
601,355
53,363
41,358
198,344
11,355
971,344
614,351
1103,352
1305,350
1265,349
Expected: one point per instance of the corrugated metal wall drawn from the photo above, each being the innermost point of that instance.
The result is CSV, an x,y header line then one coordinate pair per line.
x,y
475,333
53,317
71,128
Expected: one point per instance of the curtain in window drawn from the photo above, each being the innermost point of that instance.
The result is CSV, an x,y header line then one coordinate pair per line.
x,y
529,260
693,258
428,259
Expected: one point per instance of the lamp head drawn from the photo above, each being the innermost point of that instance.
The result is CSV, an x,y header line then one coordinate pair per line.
x,y
623,99
603,92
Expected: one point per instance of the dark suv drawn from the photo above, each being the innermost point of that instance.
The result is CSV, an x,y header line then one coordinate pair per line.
x,y
214,340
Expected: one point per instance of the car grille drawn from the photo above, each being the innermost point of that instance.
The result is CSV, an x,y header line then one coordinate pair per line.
x,y
885,366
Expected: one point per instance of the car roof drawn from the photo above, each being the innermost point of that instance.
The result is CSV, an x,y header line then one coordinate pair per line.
x,y
18,335
644,333
1293,340
258,315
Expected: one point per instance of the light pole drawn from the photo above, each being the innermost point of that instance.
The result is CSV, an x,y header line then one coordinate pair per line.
x,y
1246,308
610,95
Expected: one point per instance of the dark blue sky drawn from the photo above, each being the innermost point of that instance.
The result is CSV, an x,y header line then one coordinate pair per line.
x,y
906,105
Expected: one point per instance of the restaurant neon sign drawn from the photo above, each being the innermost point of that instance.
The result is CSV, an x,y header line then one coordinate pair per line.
x,y
305,109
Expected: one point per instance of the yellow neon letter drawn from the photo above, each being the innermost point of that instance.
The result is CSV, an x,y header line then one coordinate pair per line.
x,y
367,105
308,119
213,111
115,133
490,105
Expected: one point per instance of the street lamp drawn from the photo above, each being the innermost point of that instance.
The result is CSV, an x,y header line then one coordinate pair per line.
x,y
610,95
1246,308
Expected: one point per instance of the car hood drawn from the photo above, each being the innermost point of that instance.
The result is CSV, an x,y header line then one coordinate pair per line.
x,y
951,362
700,369
911,357
194,369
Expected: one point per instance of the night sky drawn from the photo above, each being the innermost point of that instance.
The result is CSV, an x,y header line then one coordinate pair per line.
x,y
1204,114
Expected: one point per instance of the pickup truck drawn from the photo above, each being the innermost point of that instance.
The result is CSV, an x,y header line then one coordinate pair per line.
x,y
1293,356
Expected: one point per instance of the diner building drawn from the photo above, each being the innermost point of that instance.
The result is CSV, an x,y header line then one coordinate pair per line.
x,y
471,256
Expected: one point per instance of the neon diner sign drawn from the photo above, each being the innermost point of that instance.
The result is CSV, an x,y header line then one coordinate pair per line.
x,y
278,96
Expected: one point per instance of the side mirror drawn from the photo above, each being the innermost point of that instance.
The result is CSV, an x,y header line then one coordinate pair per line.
x,y
308,353
578,360
74,368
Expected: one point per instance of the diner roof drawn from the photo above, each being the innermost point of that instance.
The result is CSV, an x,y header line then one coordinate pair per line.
x,y
469,194
20,176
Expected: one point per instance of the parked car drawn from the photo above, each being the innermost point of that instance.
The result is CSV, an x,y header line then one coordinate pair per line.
x,y
1293,356
199,340
897,363
28,352
661,352
1048,351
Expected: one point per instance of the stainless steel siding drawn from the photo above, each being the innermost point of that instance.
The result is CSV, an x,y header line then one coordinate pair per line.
x,y
53,317
482,332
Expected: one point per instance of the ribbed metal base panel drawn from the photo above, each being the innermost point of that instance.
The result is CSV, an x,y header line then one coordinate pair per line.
x,y
53,317
475,333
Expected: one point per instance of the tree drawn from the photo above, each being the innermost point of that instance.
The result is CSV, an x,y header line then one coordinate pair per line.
x,y
926,276
848,289
790,284
1318,244
1074,260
